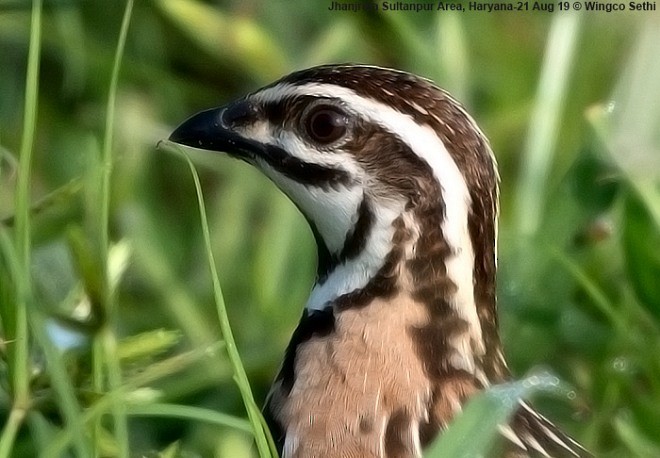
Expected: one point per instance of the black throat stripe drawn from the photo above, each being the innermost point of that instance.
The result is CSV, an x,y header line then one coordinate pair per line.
x,y
357,238
354,244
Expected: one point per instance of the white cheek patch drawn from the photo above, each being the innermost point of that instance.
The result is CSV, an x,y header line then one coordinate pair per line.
x,y
331,210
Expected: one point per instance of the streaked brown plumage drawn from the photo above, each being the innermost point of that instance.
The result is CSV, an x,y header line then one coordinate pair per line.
x,y
399,186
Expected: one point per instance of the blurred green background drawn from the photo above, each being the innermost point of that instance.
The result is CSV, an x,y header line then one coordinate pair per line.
x,y
571,104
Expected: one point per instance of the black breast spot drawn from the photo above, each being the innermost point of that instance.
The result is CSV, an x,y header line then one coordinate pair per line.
x,y
366,424
397,435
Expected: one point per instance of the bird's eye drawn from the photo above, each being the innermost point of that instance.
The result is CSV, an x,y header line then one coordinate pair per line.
x,y
325,124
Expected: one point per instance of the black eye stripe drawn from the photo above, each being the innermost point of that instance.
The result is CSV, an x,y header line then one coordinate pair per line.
x,y
274,112
303,172
286,111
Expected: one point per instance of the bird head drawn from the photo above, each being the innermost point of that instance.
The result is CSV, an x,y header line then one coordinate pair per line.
x,y
354,144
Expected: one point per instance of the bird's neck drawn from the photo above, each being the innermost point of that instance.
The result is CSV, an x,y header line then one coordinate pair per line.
x,y
394,338
406,251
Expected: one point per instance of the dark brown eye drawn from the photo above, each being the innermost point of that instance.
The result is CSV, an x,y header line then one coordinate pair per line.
x,y
325,124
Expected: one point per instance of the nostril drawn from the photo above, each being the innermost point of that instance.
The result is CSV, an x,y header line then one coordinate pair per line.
x,y
240,112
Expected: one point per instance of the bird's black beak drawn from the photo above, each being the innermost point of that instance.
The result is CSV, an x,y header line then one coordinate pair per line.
x,y
214,130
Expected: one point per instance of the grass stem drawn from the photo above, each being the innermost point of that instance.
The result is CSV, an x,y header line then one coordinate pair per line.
x,y
20,364
545,122
264,443
106,343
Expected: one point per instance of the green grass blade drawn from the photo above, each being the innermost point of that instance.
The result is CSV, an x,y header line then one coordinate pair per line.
x,y
104,404
19,366
12,263
254,415
189,413
63,386
593,291
27,141
475,431
545,122
252,48
106,342
60,380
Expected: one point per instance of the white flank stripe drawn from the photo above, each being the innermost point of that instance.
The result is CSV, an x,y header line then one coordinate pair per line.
x,y
528,408
291,444
536,446
414,434
426,144
508,432
548,432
